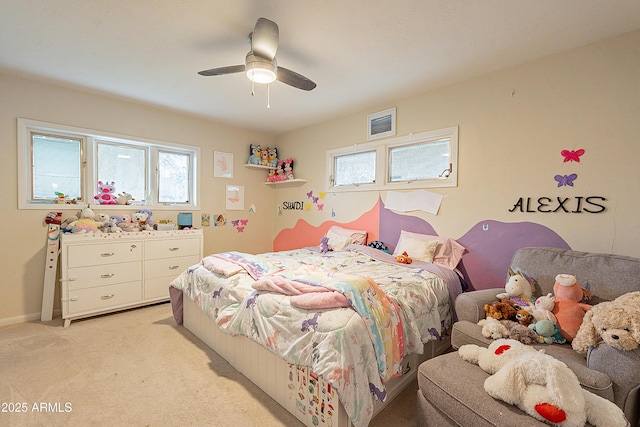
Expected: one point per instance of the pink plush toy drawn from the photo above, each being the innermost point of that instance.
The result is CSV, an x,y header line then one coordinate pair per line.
x,y
569,308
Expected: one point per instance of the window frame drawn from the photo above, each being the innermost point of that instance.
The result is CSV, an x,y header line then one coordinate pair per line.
x,y
90,139
382,166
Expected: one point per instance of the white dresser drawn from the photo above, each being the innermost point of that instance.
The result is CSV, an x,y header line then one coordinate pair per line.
x,y
106,272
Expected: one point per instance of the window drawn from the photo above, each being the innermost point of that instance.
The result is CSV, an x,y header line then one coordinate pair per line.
x,y
61,161
425,160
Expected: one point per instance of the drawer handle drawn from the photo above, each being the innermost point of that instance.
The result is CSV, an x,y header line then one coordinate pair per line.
x,y
107,276
107,296
173,267
173,249
106,254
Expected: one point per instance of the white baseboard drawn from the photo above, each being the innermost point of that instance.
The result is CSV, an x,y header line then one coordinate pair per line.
x,y
26,318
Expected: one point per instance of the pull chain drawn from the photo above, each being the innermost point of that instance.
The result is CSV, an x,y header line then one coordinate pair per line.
x,y
268,95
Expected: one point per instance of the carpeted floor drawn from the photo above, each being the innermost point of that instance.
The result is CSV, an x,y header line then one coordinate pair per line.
x,y
135,368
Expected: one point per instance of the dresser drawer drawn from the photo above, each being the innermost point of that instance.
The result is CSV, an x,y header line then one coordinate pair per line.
x,y
170,248
103,297
103,253
168,267
101,275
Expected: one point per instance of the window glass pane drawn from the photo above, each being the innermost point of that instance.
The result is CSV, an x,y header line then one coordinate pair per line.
x,y
429,160
56,166
354,169
173,177
125,166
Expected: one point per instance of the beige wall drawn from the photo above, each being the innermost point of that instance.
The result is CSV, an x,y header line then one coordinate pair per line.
x,y
513,125
24,235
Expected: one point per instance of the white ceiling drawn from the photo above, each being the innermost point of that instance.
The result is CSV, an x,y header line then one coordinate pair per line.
x,y
362,54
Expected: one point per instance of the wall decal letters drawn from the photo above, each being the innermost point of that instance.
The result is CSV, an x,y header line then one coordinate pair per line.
x,y
578,204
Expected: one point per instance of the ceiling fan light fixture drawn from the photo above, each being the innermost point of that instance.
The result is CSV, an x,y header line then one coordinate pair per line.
x,y
260,70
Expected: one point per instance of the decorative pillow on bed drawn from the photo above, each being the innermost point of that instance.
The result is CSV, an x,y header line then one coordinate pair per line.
x,y
340,238
418,249
448,252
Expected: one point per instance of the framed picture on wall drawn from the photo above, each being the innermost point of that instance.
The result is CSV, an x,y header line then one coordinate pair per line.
x,y
382,124
222,165
234,196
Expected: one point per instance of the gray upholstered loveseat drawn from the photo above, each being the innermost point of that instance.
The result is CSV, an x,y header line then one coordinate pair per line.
x,y
451,390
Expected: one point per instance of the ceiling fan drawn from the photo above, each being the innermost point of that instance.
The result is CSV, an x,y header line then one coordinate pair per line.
x,y
260,63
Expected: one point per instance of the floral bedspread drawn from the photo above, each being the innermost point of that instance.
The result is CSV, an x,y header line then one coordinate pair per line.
x,y
338,343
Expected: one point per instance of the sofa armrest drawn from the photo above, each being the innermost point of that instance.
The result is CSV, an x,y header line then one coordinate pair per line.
x,y
623,368
469,306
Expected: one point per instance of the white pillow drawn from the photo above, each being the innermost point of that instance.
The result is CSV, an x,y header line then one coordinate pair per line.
x,y
448,253
340,238
417,249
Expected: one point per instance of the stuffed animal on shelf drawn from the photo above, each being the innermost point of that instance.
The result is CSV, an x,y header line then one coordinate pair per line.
x,y
519,291
254,154
616,322
140,221
501,310
124,198
404,258
540,385
86,223
288,168
569,308
126,223
492,328
264,156
273,157
106,193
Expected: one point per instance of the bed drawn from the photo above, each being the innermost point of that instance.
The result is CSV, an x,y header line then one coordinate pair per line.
x,y
333,335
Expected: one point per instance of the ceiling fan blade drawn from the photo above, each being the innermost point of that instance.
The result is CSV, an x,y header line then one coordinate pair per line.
x,y
294,79
264,39
222,70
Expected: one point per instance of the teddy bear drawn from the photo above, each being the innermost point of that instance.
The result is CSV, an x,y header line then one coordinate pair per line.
x,y
500,310
140,222
108,225
616,322
149,214
126,223
522,333
569,309
540,385
519,291
543,308
492,328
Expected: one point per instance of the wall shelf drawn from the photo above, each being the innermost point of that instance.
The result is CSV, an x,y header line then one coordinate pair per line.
x,y
288,181
250,166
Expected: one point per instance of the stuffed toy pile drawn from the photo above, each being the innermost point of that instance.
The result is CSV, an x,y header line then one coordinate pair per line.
x,y
540,385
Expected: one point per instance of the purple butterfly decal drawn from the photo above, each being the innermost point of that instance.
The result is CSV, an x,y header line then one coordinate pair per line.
x,y
235,222
572,155
310,194
244,221
565,179
315,199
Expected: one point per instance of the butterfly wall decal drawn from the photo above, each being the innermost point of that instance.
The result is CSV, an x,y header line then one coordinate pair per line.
x,y
565,179
572,155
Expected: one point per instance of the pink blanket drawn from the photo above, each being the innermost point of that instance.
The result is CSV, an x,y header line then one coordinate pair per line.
x,y
302,295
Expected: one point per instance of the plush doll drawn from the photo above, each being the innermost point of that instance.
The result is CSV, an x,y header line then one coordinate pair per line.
x,y
126,223
524,317
273,157
140,221
124,198
288,168
521,333
324,244
569,308
492,328
540,385
518,290
548,331
616,322
149,214
254,154
500,310
106,193
107,224
264,156
544,308
404,258
86,223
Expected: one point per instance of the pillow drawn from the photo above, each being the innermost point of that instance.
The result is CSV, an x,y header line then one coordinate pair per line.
x,y
418,249
340,238
448,251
